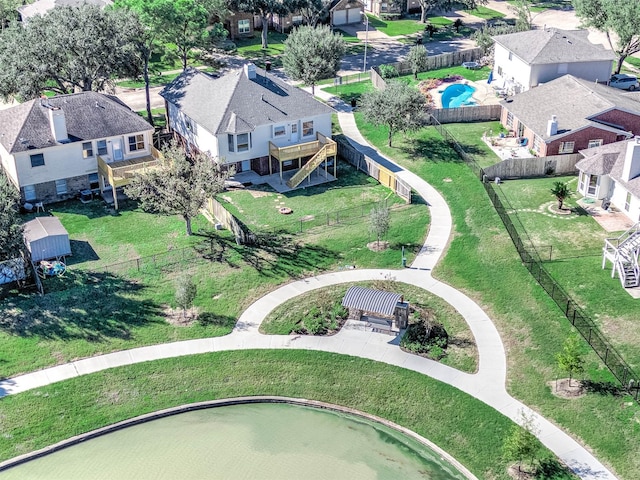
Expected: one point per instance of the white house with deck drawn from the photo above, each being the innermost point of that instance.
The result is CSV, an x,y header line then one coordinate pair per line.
x,y
250,120
54,148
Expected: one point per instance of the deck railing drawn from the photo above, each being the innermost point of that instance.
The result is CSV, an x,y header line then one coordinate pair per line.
x,y
301,150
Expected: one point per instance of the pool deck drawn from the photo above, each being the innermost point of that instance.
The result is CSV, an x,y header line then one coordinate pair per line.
x,y
484,94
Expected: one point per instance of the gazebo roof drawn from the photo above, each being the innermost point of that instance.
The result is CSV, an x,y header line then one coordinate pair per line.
x,y
369,300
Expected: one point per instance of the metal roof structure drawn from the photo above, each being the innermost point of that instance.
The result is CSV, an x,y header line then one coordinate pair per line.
x,y
372,301
46,238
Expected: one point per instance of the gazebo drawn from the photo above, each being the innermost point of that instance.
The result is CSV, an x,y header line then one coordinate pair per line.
x,y
377,305
46,239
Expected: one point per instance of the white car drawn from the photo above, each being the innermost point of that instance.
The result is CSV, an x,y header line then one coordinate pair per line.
x,y
623,81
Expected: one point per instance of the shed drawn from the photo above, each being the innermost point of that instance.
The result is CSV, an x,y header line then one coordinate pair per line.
x,y
46,239
377,302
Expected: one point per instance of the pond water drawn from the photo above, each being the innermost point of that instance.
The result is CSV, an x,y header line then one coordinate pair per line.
x,y
457,95
266,441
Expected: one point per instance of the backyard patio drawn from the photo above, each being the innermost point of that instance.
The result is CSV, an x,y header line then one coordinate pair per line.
x,y
505,146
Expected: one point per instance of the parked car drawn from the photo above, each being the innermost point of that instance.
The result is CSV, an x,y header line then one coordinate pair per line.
x,y
623,81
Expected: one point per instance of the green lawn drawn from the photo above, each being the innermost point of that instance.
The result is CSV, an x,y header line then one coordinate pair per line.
x,y
469,135
252,47
347,37
461,352
474,75
158,114
351,91
157,80
634,61
534,8
395,28
574,243
485,13
482,261
439,21
467,429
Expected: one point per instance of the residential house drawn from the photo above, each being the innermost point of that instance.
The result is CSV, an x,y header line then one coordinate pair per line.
x,y
524,60
41,7
569,114
345,12
612,173
247,118
50,148
240,25
381,7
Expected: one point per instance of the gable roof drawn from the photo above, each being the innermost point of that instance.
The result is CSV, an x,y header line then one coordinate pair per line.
x,y
88,115
233,103
345,4
370,300
609,159
553,45
575,103
41,7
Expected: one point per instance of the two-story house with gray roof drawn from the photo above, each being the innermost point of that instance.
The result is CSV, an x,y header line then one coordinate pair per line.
x,y
524,60
247,118
53,148
569,114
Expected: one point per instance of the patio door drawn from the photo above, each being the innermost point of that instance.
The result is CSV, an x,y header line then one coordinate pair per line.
x,y
116,146
294,132
592,190
520,129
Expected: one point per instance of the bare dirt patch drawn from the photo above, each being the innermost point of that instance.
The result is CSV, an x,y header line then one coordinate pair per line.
x,y
516,474
178,318
561,388
553,208
259,193
378,246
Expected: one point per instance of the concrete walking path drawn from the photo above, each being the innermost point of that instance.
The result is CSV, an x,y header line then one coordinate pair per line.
x,y
487,384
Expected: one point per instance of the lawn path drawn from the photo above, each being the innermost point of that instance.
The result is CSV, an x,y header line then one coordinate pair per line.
x,y
487,384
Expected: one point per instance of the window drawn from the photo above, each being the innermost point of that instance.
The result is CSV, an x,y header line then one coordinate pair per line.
x,y
37,160
296,19
566,147
102,147
279,131
93,181
243,140
594,143
509,119
536,143
307,128
583,180
244,26
30,193
500,71
230,140
136,142
294,128
87,150
627,202
593,185
61,187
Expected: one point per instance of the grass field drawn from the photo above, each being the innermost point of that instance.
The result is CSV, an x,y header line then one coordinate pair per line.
x,y
469,430
482,261
395,28
461,352
574,245
158,114
485,13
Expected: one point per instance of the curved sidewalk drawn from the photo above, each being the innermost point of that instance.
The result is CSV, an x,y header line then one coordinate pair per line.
x,y
487,385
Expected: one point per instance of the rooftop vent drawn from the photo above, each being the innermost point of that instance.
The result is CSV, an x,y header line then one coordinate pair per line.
x,y
250,70
552,126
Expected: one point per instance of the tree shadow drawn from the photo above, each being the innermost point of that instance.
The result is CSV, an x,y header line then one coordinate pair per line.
x,y
212,319
550,468
435,150
603,388
81,252
87,305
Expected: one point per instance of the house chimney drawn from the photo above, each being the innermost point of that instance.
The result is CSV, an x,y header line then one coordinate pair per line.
x,y
250,70
552,126
631,168
58,124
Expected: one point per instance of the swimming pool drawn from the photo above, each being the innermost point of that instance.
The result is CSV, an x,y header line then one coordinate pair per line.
x,y
457,95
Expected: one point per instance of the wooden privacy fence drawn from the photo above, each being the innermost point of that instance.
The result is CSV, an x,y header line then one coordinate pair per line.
x,y
372,168
434,62
475,113
244,236
534,166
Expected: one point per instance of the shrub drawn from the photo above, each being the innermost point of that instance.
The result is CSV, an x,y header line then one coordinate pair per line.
x,y
388,71
425,336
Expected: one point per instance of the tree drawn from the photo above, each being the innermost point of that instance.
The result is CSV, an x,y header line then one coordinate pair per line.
x,y
379,222
561,191
571,359
180,186
399,106
521,442
68,49
427,5
312,11
522,9
312,53
184,23
619,19
417,58
186,292
458,24
265,9
8,12
484,35
11,228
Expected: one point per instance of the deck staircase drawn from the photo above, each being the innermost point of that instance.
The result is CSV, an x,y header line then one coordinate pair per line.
x,y
623,252
308,168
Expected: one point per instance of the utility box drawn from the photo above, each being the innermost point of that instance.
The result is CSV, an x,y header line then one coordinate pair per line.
x,y
402,315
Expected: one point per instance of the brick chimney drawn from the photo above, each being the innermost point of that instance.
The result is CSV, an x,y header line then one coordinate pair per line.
x,y
58,124
552,126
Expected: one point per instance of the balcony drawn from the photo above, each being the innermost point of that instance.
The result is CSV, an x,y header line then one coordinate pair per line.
x,y
120,173
302,150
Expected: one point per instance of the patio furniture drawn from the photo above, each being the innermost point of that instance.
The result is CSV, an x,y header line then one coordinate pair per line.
x,y
39,206
51,269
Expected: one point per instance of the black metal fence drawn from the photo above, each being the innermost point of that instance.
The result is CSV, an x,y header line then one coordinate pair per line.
x,y
530,257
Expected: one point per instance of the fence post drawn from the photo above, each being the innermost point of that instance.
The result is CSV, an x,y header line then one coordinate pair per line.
x,y
138,263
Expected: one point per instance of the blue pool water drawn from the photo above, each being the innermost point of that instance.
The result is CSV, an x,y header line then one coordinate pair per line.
x,y
457,95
